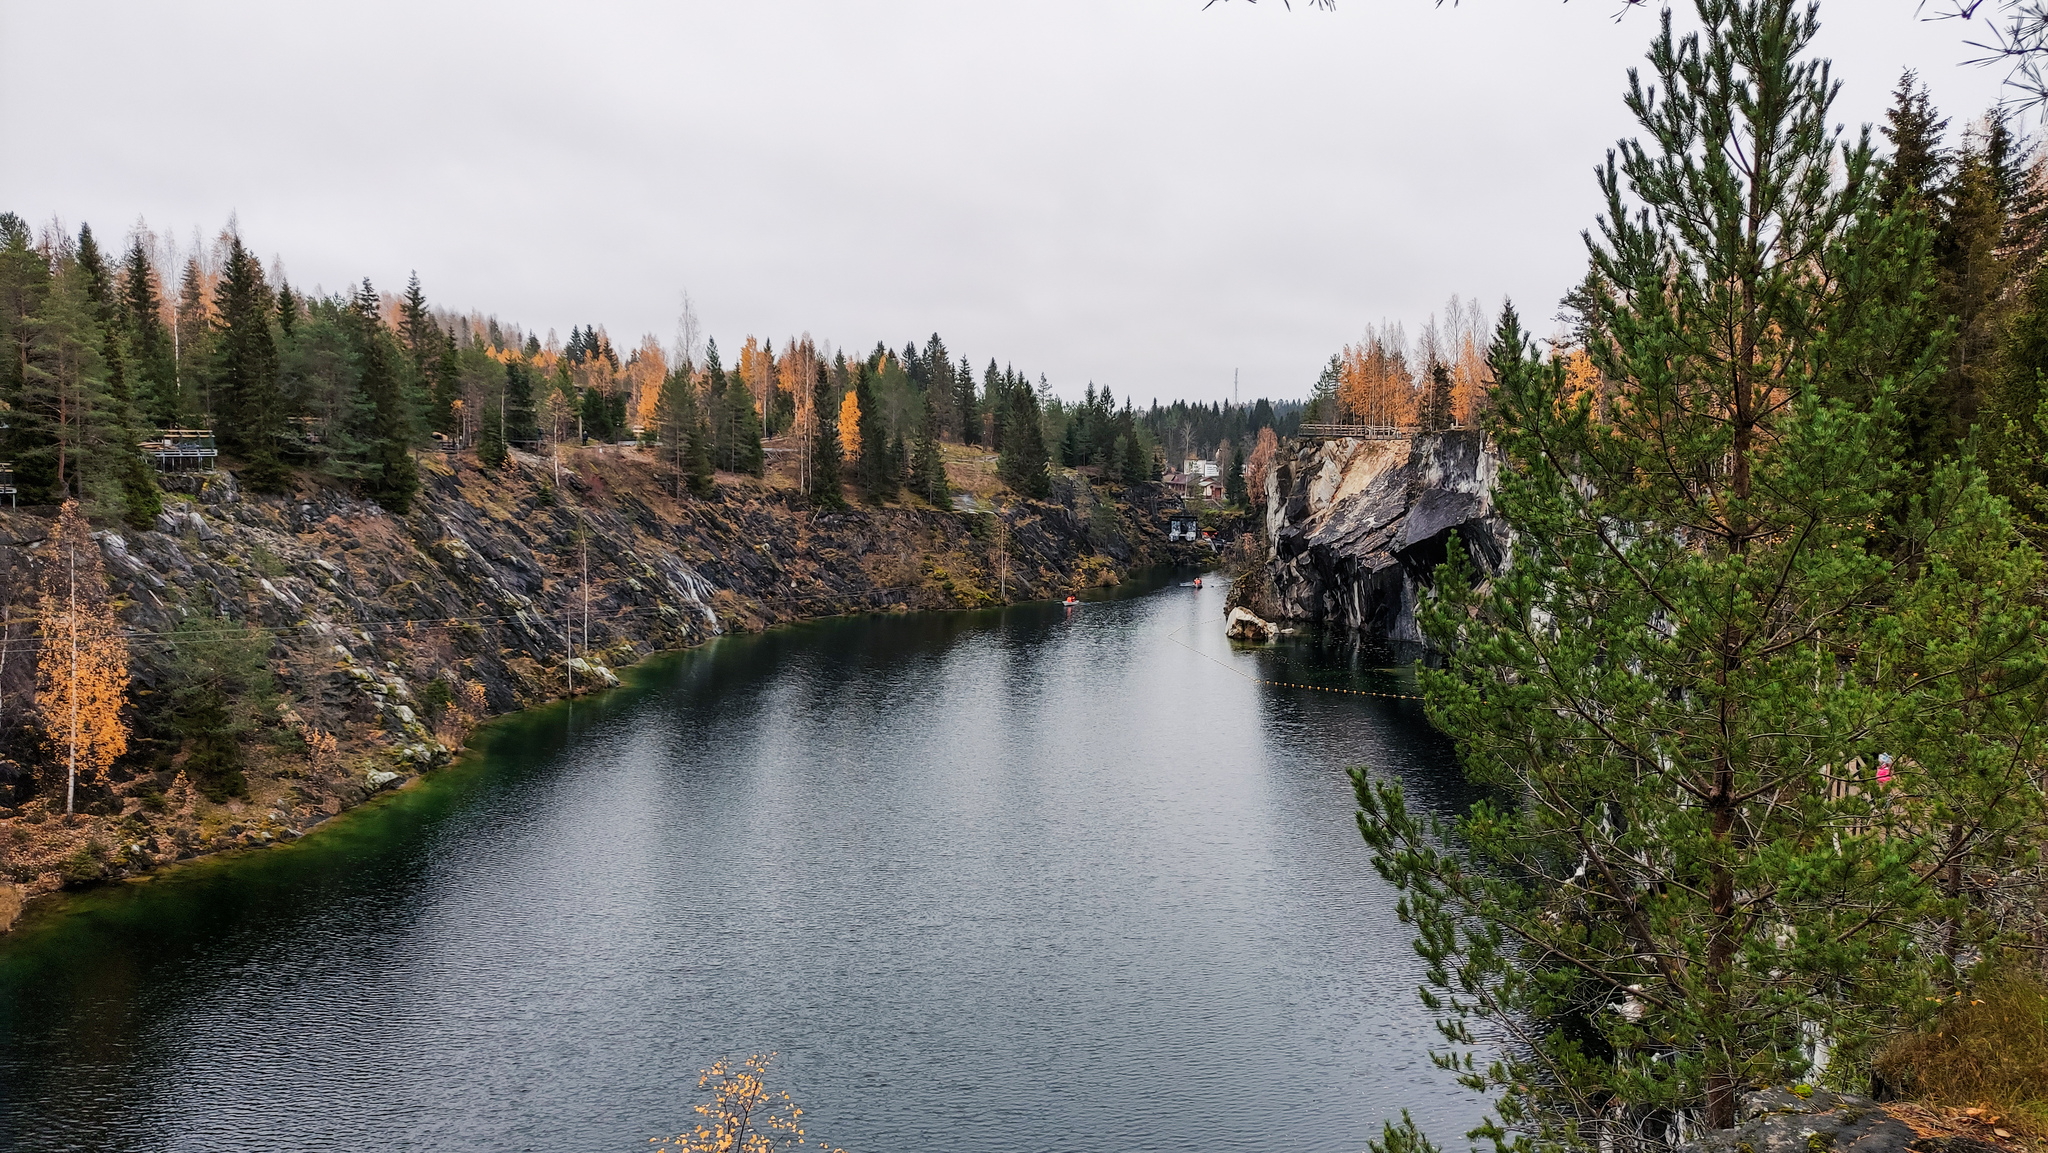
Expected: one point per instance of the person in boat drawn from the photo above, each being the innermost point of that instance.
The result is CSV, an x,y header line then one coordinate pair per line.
x,y
1198,582
1072,600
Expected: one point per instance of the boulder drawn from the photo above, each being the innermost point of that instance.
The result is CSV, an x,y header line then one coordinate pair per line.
x,y
379,779
1783,1121
1245,625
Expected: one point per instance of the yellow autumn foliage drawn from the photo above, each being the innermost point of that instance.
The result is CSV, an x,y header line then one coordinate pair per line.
x,y
849,427
82,667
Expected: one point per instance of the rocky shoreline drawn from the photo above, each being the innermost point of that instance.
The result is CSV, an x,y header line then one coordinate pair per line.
x,y
390,637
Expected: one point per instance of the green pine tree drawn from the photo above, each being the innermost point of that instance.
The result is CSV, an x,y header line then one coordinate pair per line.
x,y
121,433
1679,683
392,478
1022,461
245,371
874,472
928,461
1434,413
825,469
491,451
521,417
1918,166
154,368
966,411
417,330
680,426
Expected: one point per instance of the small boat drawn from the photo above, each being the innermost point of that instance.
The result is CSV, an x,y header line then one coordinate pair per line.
x,y
1072,600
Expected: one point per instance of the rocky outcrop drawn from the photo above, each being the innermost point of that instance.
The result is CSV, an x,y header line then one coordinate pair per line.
x,y
1244,625
1807,1120
497,590
1357,526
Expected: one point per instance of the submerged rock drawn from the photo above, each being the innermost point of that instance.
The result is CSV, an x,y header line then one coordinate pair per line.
x,y
1245,625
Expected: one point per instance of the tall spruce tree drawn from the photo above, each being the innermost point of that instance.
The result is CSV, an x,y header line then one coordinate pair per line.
x,y
928,461
965,409
24,284
121,433
1022,460
680,425
245,372
938,384
826,465
995,395
1918,166
1434,413
874,471
392,477
58,420
417,330
153,367
521,415
1679,684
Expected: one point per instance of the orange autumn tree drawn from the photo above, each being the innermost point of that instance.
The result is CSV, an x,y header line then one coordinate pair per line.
x,y
743,1115
646,368
757,369
1264,453
82,669
1374,385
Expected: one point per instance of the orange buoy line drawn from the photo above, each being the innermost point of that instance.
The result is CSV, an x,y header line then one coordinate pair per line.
x,y
1172,636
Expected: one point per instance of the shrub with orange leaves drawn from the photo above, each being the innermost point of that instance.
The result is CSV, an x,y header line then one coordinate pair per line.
x,y
743,1115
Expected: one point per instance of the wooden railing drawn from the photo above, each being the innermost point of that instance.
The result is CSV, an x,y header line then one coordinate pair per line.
x,y
1355,431
1364,431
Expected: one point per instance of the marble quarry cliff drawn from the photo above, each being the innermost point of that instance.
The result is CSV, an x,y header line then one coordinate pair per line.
x,y
1356,527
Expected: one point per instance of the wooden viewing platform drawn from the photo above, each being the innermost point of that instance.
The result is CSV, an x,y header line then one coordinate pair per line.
x,y
182,448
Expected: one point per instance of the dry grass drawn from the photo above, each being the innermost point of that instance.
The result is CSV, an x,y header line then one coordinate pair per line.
x,y
1988,1051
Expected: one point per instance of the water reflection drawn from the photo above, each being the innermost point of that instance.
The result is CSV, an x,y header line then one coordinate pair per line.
x,y
1038,879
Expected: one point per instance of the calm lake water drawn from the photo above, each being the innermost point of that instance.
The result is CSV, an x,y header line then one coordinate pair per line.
x,y
1030,880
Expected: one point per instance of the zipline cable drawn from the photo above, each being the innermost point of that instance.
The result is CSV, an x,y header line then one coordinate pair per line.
x,y
1280,684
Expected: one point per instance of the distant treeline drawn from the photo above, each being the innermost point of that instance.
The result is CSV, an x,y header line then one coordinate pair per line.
x,y
104,350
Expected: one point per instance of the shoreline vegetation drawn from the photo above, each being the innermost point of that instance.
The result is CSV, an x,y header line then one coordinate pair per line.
x,y
348,650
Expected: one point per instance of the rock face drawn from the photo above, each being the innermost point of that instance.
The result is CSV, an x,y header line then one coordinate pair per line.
x,y
498,590
1780,1121
1357,526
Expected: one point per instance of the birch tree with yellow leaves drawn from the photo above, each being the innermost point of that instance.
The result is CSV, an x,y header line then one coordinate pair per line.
x,y
82,669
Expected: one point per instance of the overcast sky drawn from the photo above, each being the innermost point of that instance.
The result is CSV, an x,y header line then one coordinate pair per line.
x,y
1136,192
